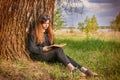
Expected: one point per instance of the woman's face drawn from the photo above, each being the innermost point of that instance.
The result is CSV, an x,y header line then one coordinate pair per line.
x,y
46,24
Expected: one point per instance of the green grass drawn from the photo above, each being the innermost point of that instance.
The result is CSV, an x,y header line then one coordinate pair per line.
x,y
99,54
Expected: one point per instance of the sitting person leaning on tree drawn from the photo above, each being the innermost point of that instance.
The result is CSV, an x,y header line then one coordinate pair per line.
x,y
41,37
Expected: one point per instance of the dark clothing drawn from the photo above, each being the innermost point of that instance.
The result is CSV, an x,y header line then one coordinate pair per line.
x,y
55,54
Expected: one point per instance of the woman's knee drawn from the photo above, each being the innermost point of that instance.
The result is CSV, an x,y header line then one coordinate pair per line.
x,y
59,50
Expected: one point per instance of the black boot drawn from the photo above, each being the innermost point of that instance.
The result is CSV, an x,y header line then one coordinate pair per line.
x,y
88,72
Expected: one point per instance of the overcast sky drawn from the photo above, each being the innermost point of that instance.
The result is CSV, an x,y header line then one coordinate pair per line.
x,y
104,10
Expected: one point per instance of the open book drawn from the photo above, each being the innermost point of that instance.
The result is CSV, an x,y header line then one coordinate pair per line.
x,y
57,45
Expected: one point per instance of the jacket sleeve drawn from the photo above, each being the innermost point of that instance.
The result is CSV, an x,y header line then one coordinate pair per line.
x,y
32,46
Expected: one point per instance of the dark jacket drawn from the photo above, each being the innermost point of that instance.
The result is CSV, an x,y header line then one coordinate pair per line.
x,y
33,47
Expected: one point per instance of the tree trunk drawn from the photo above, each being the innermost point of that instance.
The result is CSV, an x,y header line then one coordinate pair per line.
x,y
15,16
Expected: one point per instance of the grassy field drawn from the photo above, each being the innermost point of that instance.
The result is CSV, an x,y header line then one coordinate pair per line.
x,y
99,53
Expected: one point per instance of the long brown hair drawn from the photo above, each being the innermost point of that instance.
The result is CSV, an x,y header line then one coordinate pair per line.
x,y
39,30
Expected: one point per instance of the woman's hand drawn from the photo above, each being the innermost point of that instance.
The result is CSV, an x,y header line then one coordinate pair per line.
x,y
46,48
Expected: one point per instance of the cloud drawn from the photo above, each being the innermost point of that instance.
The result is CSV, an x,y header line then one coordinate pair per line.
x,y
104,10
102,1
98,7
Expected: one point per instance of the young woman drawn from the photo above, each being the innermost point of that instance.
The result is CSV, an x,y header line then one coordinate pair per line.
x,y
41,37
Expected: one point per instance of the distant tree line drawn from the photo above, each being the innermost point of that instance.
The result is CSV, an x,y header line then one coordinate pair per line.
x,y
115,24
58,19
89,25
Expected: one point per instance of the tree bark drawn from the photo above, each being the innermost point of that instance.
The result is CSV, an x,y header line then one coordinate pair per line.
x,y
15,18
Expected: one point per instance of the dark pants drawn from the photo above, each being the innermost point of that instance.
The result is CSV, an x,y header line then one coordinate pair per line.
x,y
57,54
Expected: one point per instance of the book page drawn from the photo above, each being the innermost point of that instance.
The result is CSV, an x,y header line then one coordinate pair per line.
x,y
58,45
